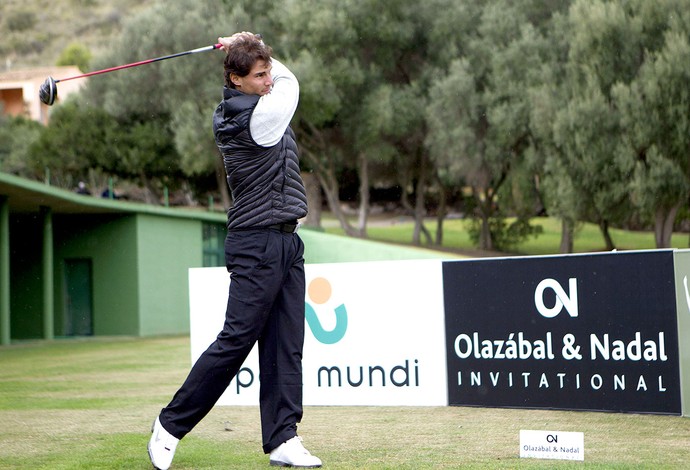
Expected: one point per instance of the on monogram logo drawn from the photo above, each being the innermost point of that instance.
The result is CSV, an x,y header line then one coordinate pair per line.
x,y
562,298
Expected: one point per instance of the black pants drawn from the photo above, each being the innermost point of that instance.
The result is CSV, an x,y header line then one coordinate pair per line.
x,y
265,304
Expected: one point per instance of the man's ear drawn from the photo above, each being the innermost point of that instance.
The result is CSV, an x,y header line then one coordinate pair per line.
x,y
236,80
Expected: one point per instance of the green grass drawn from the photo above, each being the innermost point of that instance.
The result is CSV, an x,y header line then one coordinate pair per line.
x,y
588,237
88,404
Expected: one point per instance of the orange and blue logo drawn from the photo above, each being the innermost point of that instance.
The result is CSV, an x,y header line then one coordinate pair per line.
x,y
319,292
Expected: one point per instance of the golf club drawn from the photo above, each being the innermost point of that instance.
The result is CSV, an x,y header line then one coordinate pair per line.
x,y
48,90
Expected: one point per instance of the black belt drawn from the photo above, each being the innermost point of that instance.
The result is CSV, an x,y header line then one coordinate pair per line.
x,y
287,228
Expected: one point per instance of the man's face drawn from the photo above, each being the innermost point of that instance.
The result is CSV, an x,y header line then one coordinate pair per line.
x,y
257,82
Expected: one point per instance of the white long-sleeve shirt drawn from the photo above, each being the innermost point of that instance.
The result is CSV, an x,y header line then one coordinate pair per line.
x,y
274,111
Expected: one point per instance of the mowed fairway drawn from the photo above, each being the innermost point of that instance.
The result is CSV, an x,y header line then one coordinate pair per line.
x,y
88,404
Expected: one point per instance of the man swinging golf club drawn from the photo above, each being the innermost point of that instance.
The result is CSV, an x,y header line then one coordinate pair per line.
x,y
264,256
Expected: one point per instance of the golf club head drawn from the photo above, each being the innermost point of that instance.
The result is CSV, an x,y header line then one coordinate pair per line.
x,y
48,91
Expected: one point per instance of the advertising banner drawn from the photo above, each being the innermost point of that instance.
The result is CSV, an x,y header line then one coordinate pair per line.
x,y
682,271
581,332
374,333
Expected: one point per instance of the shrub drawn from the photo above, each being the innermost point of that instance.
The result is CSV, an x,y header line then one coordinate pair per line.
x,y
21,20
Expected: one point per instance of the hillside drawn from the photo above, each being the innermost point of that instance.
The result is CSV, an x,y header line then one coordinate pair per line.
x,y
34,32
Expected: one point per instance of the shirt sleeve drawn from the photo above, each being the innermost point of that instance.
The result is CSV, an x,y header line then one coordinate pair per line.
x,y
274,111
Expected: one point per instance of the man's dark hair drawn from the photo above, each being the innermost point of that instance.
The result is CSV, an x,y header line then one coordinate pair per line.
x,y
242,56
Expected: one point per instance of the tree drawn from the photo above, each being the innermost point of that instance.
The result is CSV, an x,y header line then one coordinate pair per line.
x,y
604,48
553,182
655,109
361,94
79,137
146,152
620,61
16,135
479,116
396,51
326,59
586,130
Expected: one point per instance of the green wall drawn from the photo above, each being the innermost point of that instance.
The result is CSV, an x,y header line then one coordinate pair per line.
x,y
140,264
166,249
110,243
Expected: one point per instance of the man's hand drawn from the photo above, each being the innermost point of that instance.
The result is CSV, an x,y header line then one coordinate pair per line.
x,y
229,40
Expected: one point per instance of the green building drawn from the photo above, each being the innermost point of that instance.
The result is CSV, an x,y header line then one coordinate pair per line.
x,y
74,265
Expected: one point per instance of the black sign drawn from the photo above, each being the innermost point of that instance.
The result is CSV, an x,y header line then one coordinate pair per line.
x,y
579,332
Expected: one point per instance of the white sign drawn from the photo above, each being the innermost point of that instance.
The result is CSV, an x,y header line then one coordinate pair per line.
x,y
552,445
374,334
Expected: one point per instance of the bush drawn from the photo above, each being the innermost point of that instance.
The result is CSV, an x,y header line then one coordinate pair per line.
x,y
18,21
23,46
75,54
506,236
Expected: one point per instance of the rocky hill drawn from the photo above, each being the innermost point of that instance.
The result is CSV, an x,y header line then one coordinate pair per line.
x,y
34,33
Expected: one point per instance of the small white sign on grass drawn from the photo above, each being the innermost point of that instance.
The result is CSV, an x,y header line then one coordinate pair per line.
x,y
552,445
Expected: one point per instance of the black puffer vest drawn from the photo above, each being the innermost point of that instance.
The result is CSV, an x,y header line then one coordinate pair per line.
x,y
265,182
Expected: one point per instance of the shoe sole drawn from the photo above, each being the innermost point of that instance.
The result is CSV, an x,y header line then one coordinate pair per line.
x,y
278,463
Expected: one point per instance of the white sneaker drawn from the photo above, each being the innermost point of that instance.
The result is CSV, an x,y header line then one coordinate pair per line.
x,y
292,453
161,446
